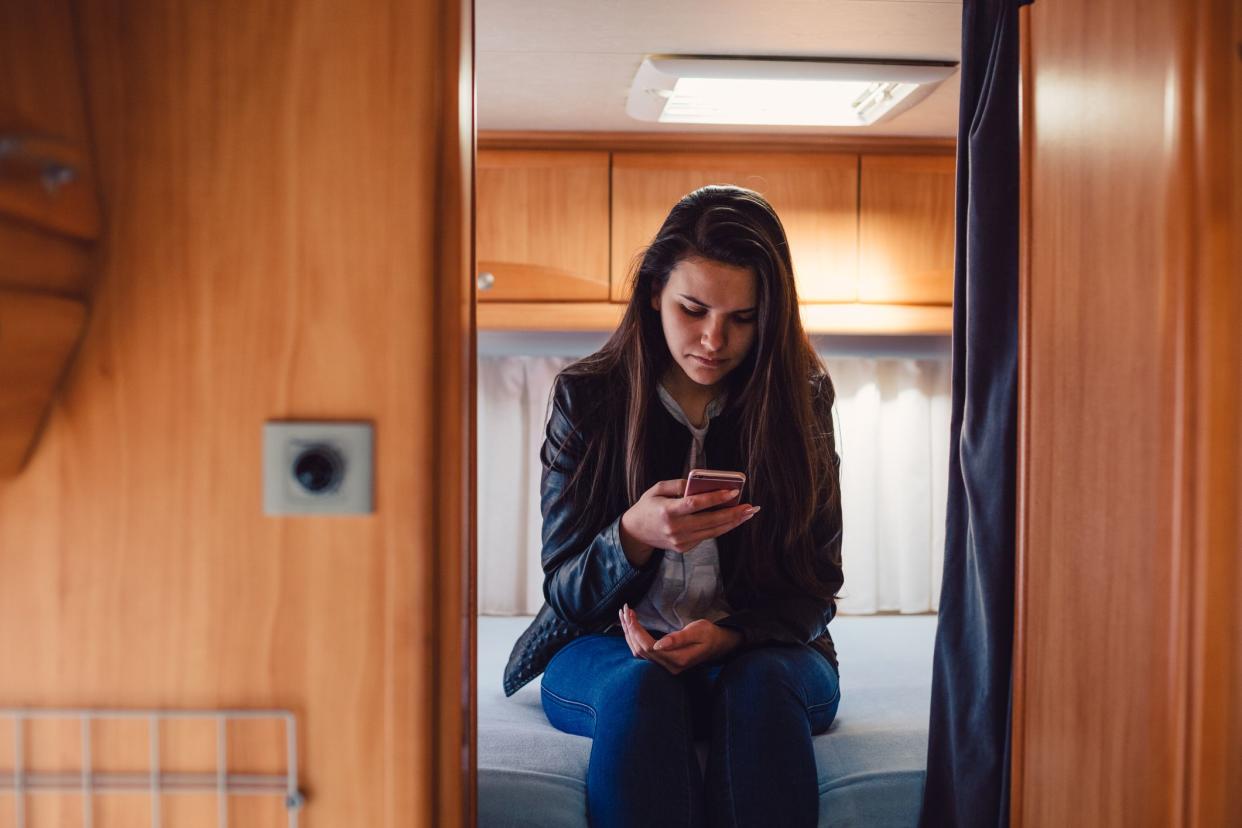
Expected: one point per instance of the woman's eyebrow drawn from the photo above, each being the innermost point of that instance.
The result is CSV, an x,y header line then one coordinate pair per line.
x,y
690,298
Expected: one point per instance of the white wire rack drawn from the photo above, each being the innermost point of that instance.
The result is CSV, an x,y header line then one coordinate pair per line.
x,y
157,783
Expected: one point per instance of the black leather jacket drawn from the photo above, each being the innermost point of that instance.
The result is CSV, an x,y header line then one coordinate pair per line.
x,y
586,574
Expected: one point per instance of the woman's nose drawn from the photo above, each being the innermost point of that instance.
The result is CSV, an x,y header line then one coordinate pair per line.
x,y
713,336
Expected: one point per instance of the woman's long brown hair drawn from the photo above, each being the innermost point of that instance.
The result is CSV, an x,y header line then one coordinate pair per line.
x,y
776,389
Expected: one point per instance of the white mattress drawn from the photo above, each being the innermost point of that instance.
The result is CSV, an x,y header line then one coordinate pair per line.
x,y
871,761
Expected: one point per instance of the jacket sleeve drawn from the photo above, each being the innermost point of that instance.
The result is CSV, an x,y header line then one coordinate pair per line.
x,y
586,573
791,614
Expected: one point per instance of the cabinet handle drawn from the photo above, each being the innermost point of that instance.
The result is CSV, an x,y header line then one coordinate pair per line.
x,y
486,280
53,173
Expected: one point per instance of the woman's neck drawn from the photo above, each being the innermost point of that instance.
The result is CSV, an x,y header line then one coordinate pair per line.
x,y
692,397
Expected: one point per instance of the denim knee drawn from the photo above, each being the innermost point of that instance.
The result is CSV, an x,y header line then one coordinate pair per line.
x,y
643,682
754,675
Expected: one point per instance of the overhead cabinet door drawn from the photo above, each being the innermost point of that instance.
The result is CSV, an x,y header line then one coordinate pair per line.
x,y
906,229
49,216
815,195
542,226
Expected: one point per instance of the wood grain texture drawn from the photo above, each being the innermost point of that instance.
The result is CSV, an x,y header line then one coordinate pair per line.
x,y
883,320
851,318
43,119
1209,33
38,334
712,142
37,260
272,178
1099,717
1131,481
815,195
47,182
455,714
1017,719
549,316
42,92
543,225
905,229
49,214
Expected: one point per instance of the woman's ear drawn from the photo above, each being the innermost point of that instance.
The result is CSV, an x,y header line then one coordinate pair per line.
x,y
655,299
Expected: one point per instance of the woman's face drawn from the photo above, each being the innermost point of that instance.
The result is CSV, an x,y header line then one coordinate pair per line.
x,y
708,312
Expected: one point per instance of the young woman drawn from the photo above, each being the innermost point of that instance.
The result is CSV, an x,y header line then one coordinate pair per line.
x,y
667,620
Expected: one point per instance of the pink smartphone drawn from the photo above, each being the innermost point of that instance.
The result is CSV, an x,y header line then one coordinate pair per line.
x,y
700,481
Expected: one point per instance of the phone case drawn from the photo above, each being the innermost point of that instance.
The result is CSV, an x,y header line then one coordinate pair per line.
x,y
701,481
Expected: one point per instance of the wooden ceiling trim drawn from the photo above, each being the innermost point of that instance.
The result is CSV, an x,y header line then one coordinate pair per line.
x,y
714,142
840,318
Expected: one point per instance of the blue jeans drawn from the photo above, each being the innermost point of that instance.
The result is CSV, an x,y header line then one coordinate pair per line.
x,y
759,707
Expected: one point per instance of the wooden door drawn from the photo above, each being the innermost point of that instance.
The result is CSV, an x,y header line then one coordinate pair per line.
x,y
815,195
1128,654
542,226
905,229
287,236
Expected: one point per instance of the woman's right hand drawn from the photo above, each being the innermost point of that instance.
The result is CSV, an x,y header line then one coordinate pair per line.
x,y
663,519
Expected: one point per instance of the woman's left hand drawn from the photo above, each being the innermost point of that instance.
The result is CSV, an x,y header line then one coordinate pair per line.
x,y
695,643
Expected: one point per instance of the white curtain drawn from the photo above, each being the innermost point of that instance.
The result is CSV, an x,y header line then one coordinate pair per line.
x,y
892,434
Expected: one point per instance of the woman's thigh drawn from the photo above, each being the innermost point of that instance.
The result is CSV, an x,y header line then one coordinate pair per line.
x,y
596,676
757,675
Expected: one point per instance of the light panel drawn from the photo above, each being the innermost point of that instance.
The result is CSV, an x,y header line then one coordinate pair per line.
x,y
777,92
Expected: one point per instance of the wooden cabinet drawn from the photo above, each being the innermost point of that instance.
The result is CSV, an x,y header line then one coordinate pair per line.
x,y
562,225
905,233
815,195
542,225
49,217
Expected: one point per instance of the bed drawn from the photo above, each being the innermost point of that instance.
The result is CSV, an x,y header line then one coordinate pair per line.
x,y
871,761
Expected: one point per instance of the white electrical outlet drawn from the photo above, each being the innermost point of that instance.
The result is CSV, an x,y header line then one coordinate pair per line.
x,y
317,468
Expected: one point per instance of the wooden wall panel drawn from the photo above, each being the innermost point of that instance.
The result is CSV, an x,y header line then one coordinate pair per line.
x,y
1131,407
1211,169
1099,716
269,175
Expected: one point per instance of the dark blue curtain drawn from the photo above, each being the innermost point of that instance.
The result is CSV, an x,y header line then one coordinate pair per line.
x,y
968,740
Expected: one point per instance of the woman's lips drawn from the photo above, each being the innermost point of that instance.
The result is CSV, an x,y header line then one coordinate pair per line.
x,y
708,363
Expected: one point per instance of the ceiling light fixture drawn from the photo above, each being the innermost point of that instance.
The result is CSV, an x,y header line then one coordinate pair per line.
x,y
778,91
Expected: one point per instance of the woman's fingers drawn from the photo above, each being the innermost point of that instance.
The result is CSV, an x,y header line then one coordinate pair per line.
x,y
668,488
692,536
641,636
697,503
677,651
723,520
673,641
641,642
636,634
625,630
